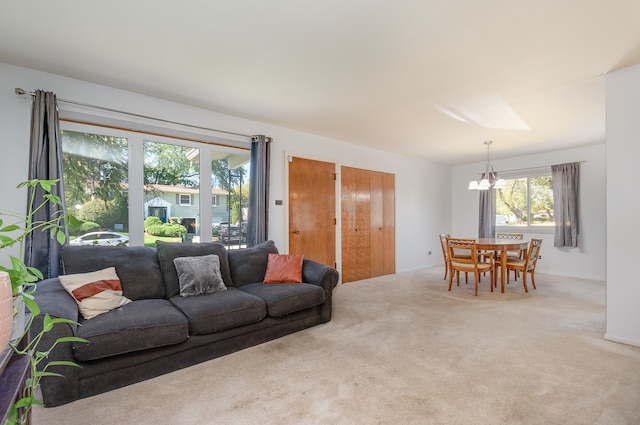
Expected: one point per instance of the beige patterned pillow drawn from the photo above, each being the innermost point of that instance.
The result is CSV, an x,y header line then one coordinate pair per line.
x,y
95,292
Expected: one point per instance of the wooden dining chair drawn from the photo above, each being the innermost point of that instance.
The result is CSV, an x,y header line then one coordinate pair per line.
x,y
463,257
443,245
445,254
519,236
526,264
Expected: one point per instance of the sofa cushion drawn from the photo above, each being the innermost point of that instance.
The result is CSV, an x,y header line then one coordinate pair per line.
x,y
284,268
168,251
199,275
95,292
248,265
220,311
284,298
136,266
140,325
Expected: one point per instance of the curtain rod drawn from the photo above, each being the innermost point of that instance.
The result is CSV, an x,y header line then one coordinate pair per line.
x,y
543,167
20,91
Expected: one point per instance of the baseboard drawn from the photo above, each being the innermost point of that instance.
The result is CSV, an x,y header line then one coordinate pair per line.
x,y
626,341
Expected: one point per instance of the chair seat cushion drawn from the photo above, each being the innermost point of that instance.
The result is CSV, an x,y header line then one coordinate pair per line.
x,y
286,298
136,326
220,311
482,267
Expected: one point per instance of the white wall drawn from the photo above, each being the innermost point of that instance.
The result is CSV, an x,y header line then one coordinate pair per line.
x,y
588,259
623,226
422,187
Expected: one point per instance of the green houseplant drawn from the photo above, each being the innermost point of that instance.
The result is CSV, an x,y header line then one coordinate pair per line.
x,y
24,282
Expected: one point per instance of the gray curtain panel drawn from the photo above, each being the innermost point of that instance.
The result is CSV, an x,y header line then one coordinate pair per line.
x,y
487,222
565,182
45,163
258,220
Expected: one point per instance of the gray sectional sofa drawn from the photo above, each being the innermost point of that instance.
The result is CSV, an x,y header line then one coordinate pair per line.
x,y
160,331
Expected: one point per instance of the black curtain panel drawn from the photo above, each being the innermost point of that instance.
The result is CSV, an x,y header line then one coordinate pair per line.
x,y
258,220
565,182
45,163
487,222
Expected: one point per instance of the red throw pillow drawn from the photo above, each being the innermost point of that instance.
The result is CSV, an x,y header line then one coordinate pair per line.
x,y
284,268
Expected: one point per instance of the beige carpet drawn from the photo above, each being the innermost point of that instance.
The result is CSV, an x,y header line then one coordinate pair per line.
x,y
403,350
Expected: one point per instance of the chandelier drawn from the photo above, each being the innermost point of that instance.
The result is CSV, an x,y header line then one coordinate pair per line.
x,y
490,178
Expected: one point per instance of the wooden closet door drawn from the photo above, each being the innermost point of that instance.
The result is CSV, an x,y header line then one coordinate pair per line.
x,y
389,223
348,221
376,217
356,226
368,224
382,213
363,224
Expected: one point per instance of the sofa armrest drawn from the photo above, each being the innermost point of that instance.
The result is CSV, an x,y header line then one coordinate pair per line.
x,y
324,276
52,299
319,274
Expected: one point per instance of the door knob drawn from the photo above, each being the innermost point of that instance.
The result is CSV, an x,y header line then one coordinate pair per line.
x,y
297,232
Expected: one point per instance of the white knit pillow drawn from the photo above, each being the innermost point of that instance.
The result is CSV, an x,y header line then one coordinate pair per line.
x,y
95,292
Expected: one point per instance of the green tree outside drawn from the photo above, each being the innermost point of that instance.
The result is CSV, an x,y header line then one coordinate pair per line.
x,y
529,200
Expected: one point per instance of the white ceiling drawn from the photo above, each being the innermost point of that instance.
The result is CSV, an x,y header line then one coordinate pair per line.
x,y
429,78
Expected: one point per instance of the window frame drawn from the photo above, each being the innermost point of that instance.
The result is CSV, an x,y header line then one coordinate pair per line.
x,y
528,175
189,201
207,145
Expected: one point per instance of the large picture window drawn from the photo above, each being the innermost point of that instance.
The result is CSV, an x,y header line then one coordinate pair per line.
x,y
525,202
149,187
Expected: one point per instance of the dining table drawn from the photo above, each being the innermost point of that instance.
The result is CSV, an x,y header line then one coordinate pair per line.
x,y
502,246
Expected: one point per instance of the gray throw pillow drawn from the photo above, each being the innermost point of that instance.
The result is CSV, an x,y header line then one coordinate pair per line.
x,y
199,275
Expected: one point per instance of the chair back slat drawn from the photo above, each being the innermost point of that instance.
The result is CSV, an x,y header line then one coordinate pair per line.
x,y
519,236
533,253
460,249
443,245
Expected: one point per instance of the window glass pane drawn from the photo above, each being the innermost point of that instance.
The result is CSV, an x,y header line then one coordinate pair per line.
x,y
95,169
230,189
541,198
171,189
511,203
526,201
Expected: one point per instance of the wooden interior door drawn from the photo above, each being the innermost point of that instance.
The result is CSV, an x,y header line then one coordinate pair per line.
x,y
312,209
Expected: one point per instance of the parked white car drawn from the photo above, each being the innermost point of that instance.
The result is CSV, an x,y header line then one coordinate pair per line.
x,y
101,238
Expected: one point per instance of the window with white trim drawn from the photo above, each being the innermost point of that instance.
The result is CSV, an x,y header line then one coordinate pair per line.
x,y
184,199
526,201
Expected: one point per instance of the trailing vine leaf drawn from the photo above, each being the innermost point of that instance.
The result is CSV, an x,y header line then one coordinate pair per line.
x,y
24,283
